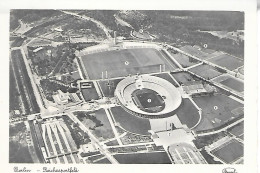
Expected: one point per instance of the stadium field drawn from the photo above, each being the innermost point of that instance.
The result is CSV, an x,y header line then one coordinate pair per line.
x,y
167,77
233,84
231,152
205,71
216,110
148,100
119,63
188,113
143,158
108,90
130,122
225,60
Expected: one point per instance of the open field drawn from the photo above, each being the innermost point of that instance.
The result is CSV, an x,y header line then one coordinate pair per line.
x,y
89,94
108,91
143,158
187,113
237,130
205,71
105,131
183,77
227,61
234,84
216,110
130,122
119,63
230,152
184,60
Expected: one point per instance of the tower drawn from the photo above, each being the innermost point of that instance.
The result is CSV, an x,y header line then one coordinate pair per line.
x,y
115,40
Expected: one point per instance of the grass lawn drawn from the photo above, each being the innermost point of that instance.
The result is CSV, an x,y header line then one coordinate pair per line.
x,y
231,152
205,71
225,60
89,94
143,158
104,131
182,77
184,60
216,110
237,130
188,113
130,122
119,63
233,84
108,92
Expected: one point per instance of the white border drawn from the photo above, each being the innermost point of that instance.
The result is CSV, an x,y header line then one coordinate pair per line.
x,y
249,6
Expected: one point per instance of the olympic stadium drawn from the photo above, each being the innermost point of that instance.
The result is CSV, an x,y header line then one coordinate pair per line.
x,y
148,96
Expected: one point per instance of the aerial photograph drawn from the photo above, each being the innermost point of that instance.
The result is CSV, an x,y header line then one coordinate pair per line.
x,y
126,86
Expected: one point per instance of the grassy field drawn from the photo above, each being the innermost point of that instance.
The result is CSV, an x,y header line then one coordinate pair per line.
x,y
108,92
233,84
183,77
104,131
184,60
89,94
216,110
187,113
231,152
143,158
205,71
230,62
237,130
119,63
130,122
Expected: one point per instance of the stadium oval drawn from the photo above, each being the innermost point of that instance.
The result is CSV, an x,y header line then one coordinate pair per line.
x,y
148,96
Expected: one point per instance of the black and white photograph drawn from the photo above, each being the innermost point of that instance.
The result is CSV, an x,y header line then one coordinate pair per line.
x,y
129,86
126,86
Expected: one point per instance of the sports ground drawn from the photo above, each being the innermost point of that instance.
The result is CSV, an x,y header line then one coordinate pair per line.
x,y
205,71
130,122
122,62
230,152
225,60
187,113
216,110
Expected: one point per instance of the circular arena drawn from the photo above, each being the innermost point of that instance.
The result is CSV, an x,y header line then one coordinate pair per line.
x,y
148,96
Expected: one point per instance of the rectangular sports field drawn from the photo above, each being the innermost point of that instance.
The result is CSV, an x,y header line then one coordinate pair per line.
x,y
205,71
143,158
237,130
231,152
119,63
234,84
225,60
184,60
196,52
216,110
